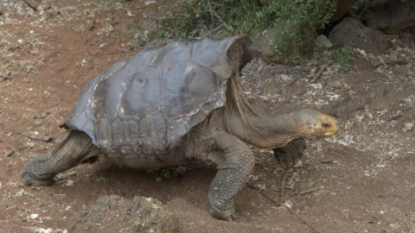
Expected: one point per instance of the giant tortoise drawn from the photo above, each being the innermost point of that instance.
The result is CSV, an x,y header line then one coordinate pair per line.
x,y
179,103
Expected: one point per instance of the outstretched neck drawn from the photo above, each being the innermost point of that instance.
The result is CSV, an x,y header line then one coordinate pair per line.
x,y
254,124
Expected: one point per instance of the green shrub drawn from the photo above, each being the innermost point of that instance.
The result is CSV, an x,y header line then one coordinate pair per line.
x,y
292,19
343,56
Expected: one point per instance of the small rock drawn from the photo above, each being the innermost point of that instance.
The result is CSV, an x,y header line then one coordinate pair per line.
x,y
394,226
317,85
43,230
407,126
69,183
323,42
288,204
34,216
327,161
335,84
83,63
253,177
41,115
30,144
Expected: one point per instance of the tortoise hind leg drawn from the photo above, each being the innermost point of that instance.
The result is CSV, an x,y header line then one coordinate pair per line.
x,y
75,148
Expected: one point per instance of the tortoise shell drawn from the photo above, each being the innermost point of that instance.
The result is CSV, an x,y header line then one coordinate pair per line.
x,y
147,103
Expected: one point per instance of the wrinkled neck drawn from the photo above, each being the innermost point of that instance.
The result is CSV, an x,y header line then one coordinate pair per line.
x,y
255,124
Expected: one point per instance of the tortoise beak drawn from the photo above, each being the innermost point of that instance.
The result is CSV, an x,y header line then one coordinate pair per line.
x,y
333,130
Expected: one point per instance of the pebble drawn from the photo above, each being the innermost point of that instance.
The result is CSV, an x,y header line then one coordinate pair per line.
x,y
323,42
336,84
317,85
253,177
43,230
327,161
69,183
407,126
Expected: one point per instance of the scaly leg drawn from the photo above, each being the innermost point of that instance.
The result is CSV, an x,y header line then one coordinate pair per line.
x,y
235,162
289,155
76,147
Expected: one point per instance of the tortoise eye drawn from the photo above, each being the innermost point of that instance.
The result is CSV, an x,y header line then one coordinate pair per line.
x,y
325,125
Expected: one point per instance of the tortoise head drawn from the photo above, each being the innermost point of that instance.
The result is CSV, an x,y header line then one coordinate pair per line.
x,y
314,125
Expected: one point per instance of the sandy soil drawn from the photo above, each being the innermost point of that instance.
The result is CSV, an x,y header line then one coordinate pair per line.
x,y
361,180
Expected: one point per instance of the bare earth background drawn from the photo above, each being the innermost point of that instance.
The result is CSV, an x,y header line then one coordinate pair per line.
x,y
361,180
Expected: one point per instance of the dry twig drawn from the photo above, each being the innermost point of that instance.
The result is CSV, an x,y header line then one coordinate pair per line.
x,y
31,4
37,137
10,154
316,76
263,194
310,190
283,183
303,220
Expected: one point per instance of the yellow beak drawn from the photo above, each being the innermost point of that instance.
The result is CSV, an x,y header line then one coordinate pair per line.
x,y
332,131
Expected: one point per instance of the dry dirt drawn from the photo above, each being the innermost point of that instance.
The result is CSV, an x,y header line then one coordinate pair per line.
x,y
361,180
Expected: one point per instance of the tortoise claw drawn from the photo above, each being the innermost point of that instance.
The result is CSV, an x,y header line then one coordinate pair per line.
x,y
33,179
223,211
33,174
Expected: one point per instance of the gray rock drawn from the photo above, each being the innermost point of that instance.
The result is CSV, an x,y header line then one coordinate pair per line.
x,y
116,214
273,52
407,126
323,42
336,84
368,39
392,16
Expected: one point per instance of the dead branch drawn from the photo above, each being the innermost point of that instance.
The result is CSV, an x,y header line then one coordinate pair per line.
x,y
310,190
37,137
31,4
316,76
283,183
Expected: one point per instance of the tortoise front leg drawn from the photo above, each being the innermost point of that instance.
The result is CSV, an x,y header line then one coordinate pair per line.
x,y
76,147
289,155
235,162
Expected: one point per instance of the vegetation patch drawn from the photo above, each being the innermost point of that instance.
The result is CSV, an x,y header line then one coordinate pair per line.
x,y
343,56
292,21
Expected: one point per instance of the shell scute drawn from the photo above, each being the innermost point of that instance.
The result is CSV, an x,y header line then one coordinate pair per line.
x,y
147,103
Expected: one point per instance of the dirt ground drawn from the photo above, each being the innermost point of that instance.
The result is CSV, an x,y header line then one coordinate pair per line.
x,y
361,180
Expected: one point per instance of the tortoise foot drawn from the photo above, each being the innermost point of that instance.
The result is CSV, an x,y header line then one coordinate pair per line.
x,y
224,210
34,172
33,179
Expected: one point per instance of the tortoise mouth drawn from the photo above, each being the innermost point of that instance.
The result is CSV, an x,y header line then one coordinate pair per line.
x,y
333,130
